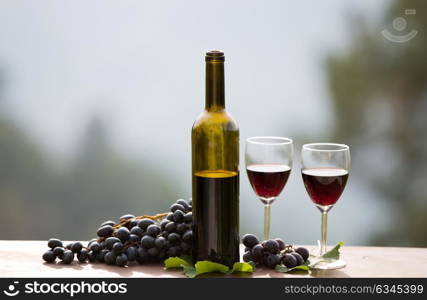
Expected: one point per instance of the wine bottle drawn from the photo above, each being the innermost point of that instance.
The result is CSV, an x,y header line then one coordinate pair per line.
x,y
215,173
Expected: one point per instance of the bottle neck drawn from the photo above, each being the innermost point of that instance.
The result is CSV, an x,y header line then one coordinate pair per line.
x,y
215,86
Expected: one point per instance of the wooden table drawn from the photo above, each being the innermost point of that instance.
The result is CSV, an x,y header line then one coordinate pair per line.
x,y
23,259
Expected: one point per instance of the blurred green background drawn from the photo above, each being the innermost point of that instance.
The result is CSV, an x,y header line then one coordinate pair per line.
x,y
97,101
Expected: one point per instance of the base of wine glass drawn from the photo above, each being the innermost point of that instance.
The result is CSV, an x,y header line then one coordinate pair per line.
x,y
267,201
324,208
331,265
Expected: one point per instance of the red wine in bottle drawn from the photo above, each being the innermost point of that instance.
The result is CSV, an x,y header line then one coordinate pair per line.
x,y
268,180
325,185
215,173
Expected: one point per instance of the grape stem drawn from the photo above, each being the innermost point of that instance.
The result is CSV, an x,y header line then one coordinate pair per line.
x,y
125,222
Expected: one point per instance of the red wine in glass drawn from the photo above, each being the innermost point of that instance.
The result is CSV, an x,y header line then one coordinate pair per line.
x,y
324,185
268,180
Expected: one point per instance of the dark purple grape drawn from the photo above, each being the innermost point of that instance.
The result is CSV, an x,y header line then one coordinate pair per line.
x,y
101,255
303,252
271,246
250,240
142,255
123,234
91,256
174,207
263,260
67,257
168,244
299,258
273,260
188,236
160,242
247,257
147,241
53,243
76,247
95,247
178,216
132,223
137,231
184,203
188,218
105,231
153,230
153,251
131,253
173,251
121,260
186,248
91,242
58,251
174,238
109,223
117,247
109,242
281,244
163,224
170,227
169,217
133,238
257,251
126,217
181,228
144,223
289,261
48,256
110,258
82,256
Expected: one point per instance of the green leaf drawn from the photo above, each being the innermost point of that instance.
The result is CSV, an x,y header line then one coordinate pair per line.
x,y
189,271
175,262
334,253
284,269
243,267
331,255
206,266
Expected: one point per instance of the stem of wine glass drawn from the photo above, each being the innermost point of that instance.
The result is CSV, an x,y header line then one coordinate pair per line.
x,y
267,214
323,232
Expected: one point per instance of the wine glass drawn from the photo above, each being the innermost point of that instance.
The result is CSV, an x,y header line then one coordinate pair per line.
x,y
325,169
268,165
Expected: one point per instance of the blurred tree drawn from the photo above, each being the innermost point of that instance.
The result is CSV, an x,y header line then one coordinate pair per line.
x,y
379,92
39,200
102,184
24,178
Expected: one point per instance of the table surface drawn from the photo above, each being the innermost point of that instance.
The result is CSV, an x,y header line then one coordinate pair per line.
x,y
23,259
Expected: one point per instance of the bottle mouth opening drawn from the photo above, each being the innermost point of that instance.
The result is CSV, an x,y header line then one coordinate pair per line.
x,y
215,55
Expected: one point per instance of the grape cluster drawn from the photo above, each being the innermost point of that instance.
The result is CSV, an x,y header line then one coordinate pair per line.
x,y
133,239
271,253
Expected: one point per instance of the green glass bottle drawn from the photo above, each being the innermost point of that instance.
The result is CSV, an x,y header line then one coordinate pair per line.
x,y
215,173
